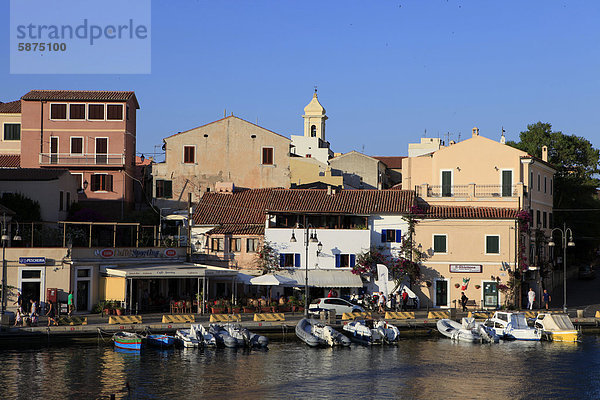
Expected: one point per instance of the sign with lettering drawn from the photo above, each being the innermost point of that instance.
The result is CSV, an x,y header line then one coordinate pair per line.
x,y
464,268
32,260
136,253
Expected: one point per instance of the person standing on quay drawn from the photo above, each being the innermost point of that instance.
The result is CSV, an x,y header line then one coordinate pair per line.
x,y
546,297
70,302
463,301
530,298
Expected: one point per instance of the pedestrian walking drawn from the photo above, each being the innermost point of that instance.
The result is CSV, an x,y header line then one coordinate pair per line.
x,y
70,302
404,299
381,303
34,315
19,302
463,301
51,314
18,317
393,302
530,298
546,297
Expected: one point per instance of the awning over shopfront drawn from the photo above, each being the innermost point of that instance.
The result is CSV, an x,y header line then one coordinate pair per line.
x,y
273,280
324,278
170,271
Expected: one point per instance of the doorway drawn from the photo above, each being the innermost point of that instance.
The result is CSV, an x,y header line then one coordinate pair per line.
x,y
83,293
490,294
441,293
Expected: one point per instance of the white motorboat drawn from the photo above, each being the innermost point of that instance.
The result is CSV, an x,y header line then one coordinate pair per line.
x,y
244,337
468,331
204,337
314,333
512,326
184,338
557,327
363,331
223,337
235,331
389,332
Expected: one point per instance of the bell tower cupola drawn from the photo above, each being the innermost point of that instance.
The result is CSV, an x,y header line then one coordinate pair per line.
x,y
314,118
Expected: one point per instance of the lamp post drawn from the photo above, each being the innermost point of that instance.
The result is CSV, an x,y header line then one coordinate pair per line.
x,y
565,244
308,238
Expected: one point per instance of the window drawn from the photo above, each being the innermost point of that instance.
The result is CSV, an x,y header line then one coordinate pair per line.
x,y
61,194
58,111
217,244
391,235
164,188
251,245
76,111
545,220
287,260
12,131
550,222
545,184
31,274
83,273
506,183
101,183
96,111
539,183
79,178
114,112
550,185
101,150
446,183
189,154
439,244
538,218
235,245
492,244
68,204
531,180
76,145
345,260
313,131
267,156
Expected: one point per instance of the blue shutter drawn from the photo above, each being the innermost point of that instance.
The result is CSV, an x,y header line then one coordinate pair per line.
x,y
383,235
338,260
282,260
398,235
352,260
297,260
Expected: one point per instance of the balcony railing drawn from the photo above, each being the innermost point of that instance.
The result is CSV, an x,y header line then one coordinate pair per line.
x,y
465,191
81,159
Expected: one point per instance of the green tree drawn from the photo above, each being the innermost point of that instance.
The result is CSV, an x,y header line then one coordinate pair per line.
x,y
576,181
27,210
267,258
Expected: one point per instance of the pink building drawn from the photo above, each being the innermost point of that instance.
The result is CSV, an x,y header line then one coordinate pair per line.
x,y
90,133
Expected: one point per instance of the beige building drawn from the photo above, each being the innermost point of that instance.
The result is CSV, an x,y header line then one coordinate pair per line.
x,y
360,171
228,150
10,123
482,174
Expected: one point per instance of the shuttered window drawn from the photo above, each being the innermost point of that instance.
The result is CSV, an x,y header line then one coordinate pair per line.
x,y
58,111
189,154
76,145
114,112
101,183
12,131
439,244
492,244
267,156
96,111
164,189
76,111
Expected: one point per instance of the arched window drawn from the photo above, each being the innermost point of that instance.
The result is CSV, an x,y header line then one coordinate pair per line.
x,y
313,131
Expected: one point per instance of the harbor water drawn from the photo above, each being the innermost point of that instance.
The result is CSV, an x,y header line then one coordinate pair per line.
x,y
417,368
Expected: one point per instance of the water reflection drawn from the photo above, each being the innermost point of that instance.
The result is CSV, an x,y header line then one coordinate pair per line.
x,y
421,368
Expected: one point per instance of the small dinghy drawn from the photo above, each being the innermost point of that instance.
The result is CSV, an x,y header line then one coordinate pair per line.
x,y
512,326
223,337
160,340
127,341
185,338
364,332
204,337
314,334
389,332
467,331
236,332
253,339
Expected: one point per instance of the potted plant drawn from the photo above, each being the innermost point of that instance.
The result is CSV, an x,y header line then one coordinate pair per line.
x,y
477,286
248,309
456,285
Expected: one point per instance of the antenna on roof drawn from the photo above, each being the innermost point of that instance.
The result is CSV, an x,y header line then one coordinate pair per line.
x,y
425,134
459,136
224,112
363,149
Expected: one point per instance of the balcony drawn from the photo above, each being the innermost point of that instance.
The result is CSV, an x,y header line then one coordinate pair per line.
x,y
84,159
471,193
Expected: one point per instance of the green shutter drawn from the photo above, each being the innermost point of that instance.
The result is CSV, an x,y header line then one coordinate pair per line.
x,y
446,183
492,244
439,244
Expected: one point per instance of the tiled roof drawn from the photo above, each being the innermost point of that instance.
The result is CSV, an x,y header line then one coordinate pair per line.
x,y
10,160
239,229
394,162
249,207
13,107
30,174
80,95
462,212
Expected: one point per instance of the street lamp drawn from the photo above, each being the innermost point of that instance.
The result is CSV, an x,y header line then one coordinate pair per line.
x,y
565,244
5,239
308,238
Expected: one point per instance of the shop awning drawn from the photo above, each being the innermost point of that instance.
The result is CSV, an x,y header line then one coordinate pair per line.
x,y
273,280
170,271
324,278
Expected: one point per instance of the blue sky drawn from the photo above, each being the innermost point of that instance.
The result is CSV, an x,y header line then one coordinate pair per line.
x,y
386,71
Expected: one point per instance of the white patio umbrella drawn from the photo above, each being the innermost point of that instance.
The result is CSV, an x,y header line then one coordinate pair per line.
x,y
273,280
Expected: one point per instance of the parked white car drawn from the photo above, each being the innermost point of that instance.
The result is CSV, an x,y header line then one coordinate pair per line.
x,y
336,304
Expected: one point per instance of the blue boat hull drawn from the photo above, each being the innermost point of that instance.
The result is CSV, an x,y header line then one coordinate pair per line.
x,y
160,340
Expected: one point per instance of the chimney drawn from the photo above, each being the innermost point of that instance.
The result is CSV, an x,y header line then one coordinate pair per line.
x,y
545,153
475,131
329,190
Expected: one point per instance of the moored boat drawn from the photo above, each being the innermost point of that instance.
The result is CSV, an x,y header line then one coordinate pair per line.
x,y
160,340
127,340
389,332
185,338
314,334
467,331
557,327
363,331
204,337
222,337
512,326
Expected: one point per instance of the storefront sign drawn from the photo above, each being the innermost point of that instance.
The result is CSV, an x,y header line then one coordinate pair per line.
x,y
463,268
136,253
32,260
